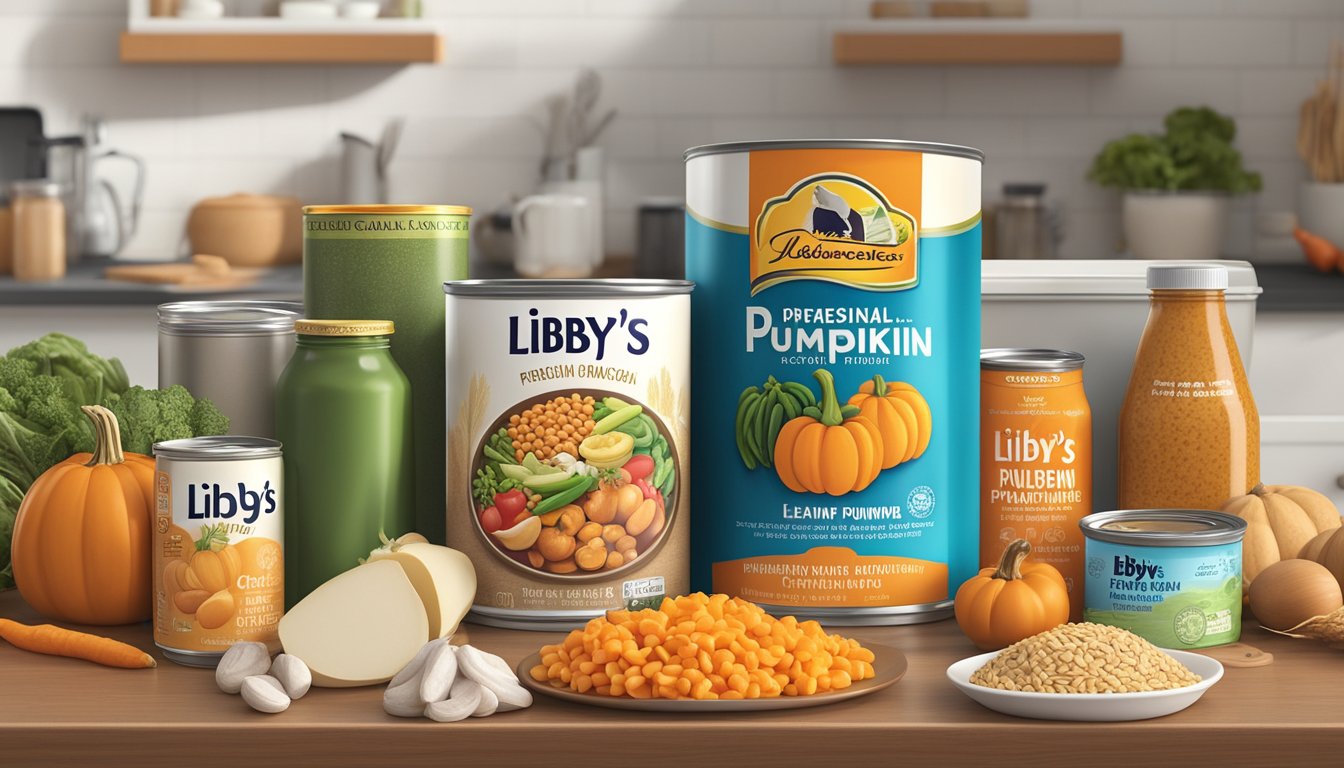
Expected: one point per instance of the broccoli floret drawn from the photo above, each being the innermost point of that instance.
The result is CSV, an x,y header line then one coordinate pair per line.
x,y
39,425
207,420
86,377
147,416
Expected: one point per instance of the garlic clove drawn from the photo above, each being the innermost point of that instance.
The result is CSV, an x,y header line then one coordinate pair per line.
x,y
264,694
293,675
439,674
240,661
463,699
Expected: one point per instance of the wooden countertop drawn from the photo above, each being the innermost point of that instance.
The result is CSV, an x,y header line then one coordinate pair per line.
x,y
57,711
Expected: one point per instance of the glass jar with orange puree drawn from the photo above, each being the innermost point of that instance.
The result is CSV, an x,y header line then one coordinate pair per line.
x,y
1189,433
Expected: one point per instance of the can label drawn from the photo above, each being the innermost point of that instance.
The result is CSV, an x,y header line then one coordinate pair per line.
x,y
1174,597
568,426
1036,469
836,334
218,559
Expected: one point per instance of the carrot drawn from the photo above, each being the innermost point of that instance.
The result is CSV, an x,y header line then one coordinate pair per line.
x,y
56,641
1321,253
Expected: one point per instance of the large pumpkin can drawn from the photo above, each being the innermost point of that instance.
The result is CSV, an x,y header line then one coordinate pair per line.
x,y
218,560
836,328
568,430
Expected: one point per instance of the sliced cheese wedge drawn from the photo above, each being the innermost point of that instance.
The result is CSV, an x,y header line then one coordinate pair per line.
x,y
360,628
444,578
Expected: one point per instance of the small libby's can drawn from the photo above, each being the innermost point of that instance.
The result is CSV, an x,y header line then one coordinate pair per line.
x,y
1035,459
218,546
1170,576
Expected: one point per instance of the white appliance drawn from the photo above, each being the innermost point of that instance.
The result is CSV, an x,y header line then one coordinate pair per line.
x,y
1097,308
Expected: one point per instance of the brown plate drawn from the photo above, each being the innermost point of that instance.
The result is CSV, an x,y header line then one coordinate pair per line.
x,y
890,666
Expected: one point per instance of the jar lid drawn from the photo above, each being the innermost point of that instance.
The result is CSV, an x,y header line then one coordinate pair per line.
x,y
1025,359
1187,277
35,188
343,327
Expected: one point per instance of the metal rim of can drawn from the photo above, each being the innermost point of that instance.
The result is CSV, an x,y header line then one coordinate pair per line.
x,y
218,448
930,147
1220,527
573,289
387,210
225,318
1030,359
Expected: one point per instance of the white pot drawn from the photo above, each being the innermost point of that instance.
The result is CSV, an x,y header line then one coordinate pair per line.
x,y
1320,210
1167,226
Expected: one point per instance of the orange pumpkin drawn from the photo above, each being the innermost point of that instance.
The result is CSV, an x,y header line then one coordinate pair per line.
x,y
829,449
894,418
81,539
1012,602
902,414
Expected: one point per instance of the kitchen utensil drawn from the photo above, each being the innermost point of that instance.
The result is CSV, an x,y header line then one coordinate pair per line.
x,y
571,126
1320,127
591,191
203,271
1025,228
361,182
890,666
661,233
39,230
364,165
21,151
99,222
231,352
1088,707
248,230
554,234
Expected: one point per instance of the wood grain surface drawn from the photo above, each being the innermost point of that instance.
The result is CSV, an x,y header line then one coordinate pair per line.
x,y
56,711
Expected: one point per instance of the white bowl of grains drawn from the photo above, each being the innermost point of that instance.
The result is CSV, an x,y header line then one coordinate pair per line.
x,y
1086,672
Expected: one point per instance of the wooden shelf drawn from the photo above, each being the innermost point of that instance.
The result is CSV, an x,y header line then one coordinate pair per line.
x,y
975,42
63,712
316,48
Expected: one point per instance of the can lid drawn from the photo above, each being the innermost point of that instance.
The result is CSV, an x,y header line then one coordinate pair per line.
x,y
1029,359
392,210
526,288
1187,277
1164,527
218,448
344,327
931,147
220,318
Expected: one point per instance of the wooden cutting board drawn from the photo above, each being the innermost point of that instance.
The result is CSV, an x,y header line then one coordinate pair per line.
x,y
202,272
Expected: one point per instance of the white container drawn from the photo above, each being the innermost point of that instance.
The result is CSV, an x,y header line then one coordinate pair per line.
x,y
1097,308
1320,210
1175,225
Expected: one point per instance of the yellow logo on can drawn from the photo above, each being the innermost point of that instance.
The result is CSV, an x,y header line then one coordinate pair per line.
x,y
836,228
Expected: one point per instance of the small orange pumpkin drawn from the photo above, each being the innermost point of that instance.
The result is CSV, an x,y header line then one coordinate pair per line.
x,y
81,539
1012,602
829,449
902,414
894,418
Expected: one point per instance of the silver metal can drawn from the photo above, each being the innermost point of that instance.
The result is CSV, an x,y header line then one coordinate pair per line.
x,y
231,352
218,546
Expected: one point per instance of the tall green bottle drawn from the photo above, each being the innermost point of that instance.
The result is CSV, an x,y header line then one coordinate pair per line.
x,y
390,262
343,414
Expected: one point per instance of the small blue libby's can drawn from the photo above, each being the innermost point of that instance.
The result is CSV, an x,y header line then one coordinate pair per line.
x,y
1171,576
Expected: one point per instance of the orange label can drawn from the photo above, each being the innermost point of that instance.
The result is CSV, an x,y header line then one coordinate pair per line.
x,y
217,545
1035,459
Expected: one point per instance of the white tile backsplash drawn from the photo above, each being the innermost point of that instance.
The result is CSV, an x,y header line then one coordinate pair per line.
x,y
680,73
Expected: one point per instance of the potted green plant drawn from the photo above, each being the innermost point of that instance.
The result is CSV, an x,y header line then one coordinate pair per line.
x,y
1176,184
